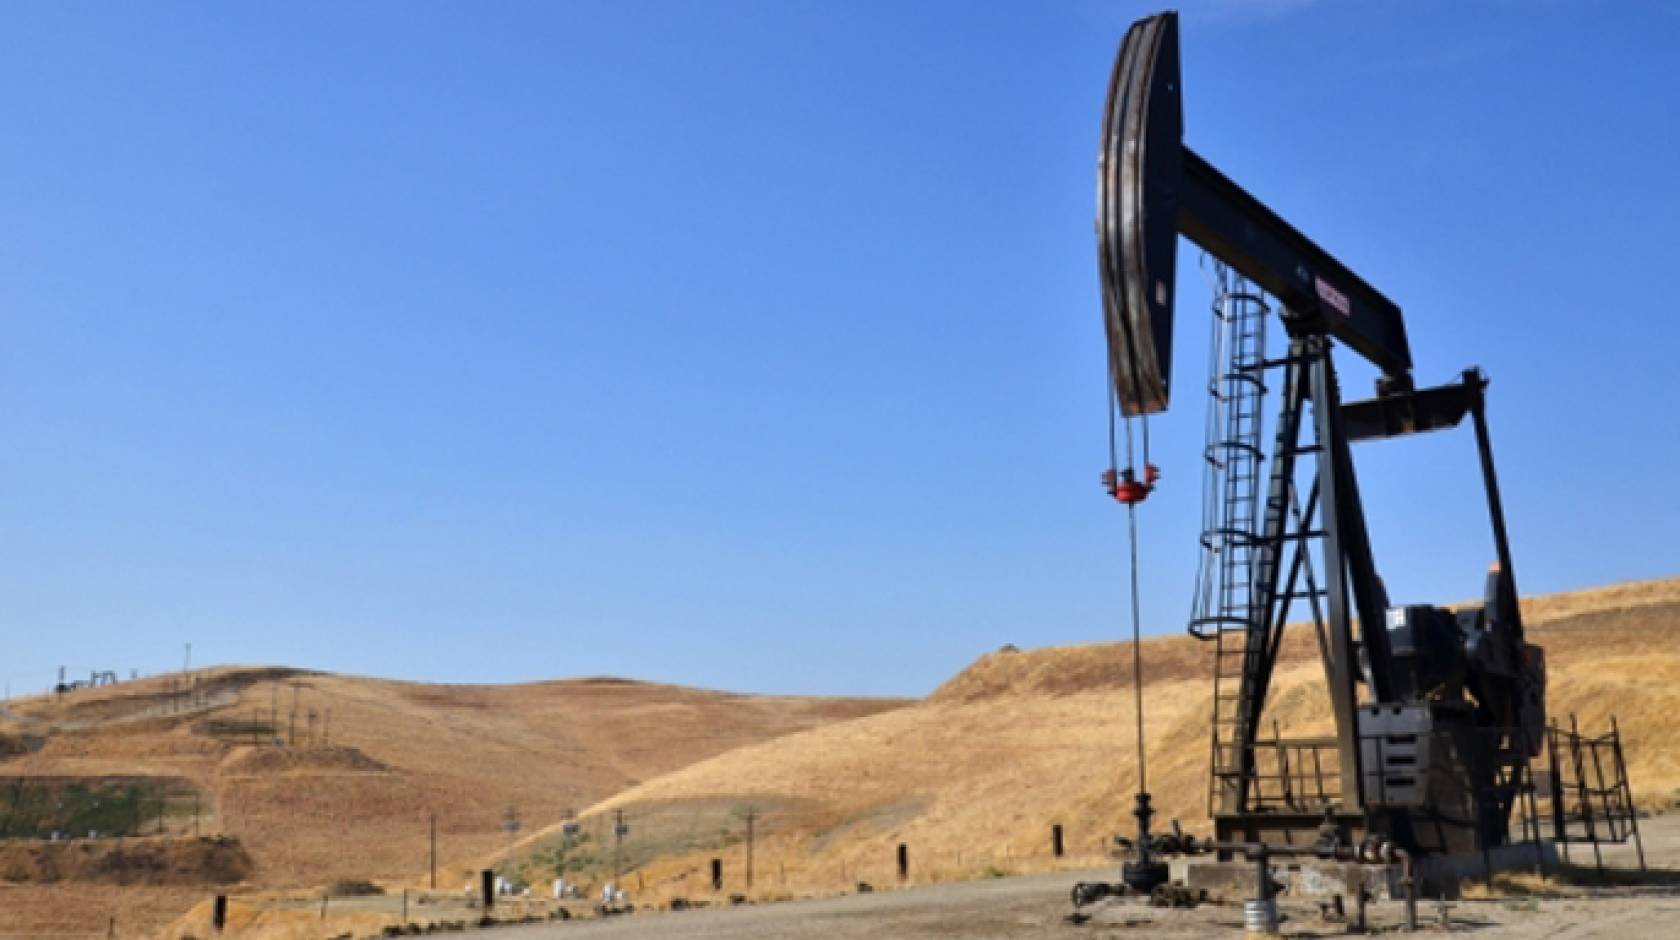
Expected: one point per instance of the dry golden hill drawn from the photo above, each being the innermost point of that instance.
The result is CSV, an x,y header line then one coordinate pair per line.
x,y
972,778
372,761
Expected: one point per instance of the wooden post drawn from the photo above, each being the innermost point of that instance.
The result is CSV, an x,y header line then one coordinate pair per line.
x,y
752,814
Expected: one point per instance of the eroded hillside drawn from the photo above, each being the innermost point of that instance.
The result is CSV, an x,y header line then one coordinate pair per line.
x,y
371,761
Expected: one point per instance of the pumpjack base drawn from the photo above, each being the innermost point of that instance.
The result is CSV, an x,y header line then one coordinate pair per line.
x,y
1300,877
1286,828
1437,875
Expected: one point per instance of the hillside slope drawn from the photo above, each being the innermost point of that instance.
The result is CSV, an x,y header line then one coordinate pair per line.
x,y
972,778
374,759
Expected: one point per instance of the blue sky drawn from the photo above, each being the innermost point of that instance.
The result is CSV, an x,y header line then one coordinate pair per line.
x,y
757,345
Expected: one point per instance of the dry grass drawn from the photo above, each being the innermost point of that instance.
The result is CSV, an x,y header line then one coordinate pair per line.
x,y
1569,881
89,910
973,778
360,806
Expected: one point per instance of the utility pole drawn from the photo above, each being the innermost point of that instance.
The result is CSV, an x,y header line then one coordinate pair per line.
x,y
752,814
291,732
568,829
510,823
619,830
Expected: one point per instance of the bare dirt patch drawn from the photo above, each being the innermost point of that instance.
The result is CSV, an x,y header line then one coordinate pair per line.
x,y
209,860
302,761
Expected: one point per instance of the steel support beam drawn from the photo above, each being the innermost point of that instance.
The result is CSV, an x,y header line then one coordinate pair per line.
x,y
1255,677
1349,579
1242,231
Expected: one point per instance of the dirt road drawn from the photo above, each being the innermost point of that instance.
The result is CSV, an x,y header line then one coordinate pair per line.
x,y
1037,907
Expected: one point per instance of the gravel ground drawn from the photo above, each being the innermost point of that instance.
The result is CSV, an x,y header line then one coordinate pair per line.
x,y
1037,907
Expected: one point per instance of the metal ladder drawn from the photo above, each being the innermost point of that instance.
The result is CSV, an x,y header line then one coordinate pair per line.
x,y
1223,610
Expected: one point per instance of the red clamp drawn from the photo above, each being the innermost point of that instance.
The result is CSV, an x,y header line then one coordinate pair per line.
x,y
1124,486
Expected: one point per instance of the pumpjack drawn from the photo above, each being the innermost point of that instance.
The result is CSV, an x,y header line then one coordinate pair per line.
x,y
1437,712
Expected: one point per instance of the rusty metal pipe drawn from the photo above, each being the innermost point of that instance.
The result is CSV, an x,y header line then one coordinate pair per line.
x,y
1408,884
